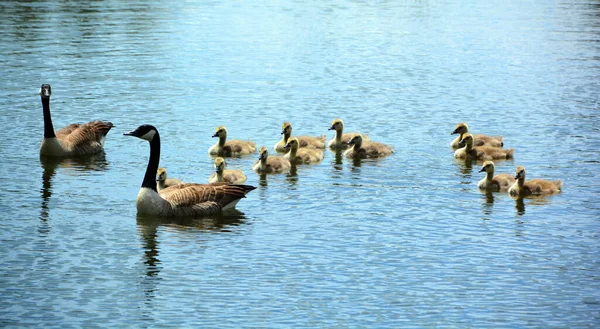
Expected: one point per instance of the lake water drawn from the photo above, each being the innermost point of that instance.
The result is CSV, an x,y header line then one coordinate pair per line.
x,y
406,241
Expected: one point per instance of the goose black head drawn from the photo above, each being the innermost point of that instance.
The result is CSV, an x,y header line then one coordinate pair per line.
x,y
146,132
45,90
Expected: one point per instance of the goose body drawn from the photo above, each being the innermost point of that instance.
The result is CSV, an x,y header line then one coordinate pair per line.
x,y
500,182
162,181
480,139
341,139
534,187
74,139
296,155
231,148
223,175
270,164
183,200
366,149
309,142
480,152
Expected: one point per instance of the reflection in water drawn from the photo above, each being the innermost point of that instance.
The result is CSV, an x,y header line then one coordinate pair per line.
x,y
148,230
465,167
292,176
338,160
531,201
94,162
489,201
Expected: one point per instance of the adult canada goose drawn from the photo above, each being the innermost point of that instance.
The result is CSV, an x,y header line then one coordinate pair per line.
x,y
162,182
480,139
225,148
480,152
229,176
500,182
522,188
309,142
341,139
270,164
183,200
74,139
366,149
298,155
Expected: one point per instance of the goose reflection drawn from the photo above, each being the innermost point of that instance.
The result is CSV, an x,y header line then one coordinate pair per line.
x,y
148,229
94,162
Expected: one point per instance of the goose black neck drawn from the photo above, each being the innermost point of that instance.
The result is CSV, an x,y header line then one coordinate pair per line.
x,y
48,128
150,177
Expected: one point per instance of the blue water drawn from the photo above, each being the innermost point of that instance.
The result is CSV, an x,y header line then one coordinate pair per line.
x,y
405,241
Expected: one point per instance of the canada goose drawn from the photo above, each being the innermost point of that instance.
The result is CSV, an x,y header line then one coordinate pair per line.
x,y
301,155
183,200
500,182
309,142
162,182
74,139
480,139
229,176
480,152
341,139
270,164
522,188
230,148
365,149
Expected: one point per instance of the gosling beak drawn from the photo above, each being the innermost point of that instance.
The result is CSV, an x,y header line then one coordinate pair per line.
x,y
454,132
283,132
215,135
331,128
461,144
482,169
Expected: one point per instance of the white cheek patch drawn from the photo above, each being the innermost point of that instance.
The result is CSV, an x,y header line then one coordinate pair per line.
x,y
149,135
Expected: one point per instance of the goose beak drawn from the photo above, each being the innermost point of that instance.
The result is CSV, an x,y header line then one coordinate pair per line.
x,y
128,134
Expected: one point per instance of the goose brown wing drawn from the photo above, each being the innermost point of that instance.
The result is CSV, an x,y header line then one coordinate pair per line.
x,y
183,195
76,135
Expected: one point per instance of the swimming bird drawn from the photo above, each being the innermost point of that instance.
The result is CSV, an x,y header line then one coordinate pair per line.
x,y
303,141
222,175
301,155
480,139
366,149
74,139
480,152
536,187
270,164
162,182
183,200
225,148
500,182
341,139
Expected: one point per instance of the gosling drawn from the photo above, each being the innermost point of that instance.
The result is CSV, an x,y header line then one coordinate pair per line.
x,y
535,187
270,164
230,148
298,155
341,139
366,149
229,176
480,139
498,183
468,151
304,141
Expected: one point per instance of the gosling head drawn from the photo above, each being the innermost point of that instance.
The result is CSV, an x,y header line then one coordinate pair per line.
x,y
488,167
45,91
145,132
466,140
263,153
356,140
161,175
220,132
461,128
292,144
337,125
219,165
520,172
286,128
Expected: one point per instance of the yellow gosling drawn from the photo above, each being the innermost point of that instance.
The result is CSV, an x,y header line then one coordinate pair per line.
x,y
270,164
225,148
162,181
535,187
298,155
229,176
480,139
304,141
498,183
367,149
468,151
341,139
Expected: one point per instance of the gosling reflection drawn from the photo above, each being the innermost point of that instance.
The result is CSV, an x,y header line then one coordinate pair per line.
x,y
531,201
94,162
489,201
